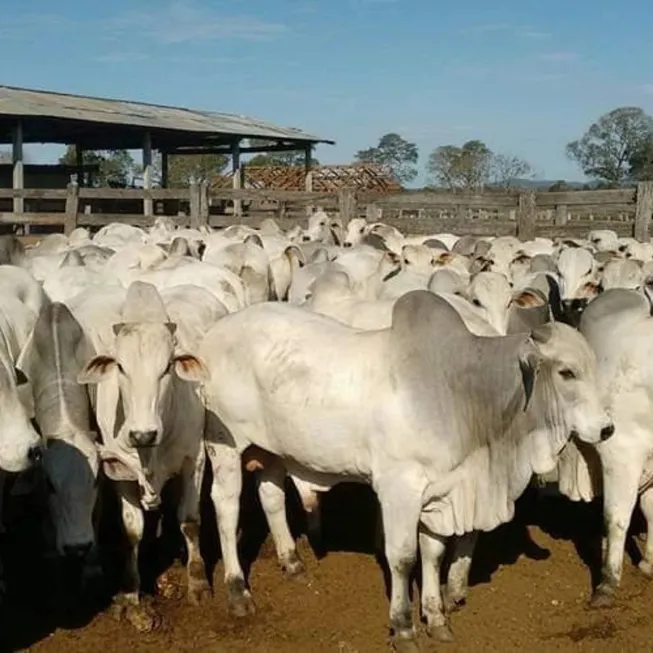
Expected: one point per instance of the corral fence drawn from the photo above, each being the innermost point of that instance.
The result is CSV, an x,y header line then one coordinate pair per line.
x,y
526,214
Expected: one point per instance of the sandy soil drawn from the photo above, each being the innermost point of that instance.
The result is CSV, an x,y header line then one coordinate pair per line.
x,y
531,581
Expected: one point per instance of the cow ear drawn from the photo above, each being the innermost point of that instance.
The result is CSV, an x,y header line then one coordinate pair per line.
x,y
529,299
542,334
96,369
529,366
190,368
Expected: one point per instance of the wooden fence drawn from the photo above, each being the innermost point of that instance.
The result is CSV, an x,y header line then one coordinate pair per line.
x,y
524,214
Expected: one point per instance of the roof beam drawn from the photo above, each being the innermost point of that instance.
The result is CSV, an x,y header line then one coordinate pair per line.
x,y
259,149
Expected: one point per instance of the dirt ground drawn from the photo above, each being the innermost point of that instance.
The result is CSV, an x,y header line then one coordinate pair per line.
x,y
531,581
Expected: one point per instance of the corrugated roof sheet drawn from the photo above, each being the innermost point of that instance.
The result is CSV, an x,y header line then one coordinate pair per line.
x,y
46,104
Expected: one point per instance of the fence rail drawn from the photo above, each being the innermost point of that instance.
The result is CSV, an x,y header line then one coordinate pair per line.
x,y
526,214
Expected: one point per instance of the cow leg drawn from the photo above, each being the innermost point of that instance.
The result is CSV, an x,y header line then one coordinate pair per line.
x,y
432,548
620,485
272,493
646,504
225,493
128,603
189,520
458,575
400,509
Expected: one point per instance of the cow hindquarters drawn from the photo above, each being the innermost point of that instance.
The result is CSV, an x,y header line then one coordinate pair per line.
x,y
225,493
272,493
192,474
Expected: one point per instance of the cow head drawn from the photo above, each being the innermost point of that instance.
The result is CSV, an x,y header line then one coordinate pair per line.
x,y
570,393
145,362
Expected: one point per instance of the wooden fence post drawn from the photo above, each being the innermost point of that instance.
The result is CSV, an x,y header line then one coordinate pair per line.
x,y
72,208
643,210
195,204
203,218
308,187
526,215
561,215
347,204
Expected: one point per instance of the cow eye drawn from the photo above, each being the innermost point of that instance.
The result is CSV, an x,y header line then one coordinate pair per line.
x,y
362,229
477,302
567,374
120,368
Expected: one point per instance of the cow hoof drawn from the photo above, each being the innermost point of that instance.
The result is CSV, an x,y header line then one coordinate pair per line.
x,y
168,588
646,568
142,617
404,645
440,633
292,566
239,599
453,602
199,591
603,597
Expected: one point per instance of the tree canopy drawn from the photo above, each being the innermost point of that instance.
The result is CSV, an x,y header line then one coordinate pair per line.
x,y
617,147
116,167
473,166
398,156
182,168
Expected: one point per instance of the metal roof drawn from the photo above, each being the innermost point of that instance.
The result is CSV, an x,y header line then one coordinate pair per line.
x,y
37,104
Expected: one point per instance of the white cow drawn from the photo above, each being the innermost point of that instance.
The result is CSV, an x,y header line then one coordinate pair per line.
x,y
427,413
160,436
619,327
52,358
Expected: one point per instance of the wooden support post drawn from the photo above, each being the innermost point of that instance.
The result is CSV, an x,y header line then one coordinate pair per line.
x,y
204,203
72,208
195,204
18,173
347,204
643,211
147,173
308,187
237,178
526,215
561,215
165,170
79,164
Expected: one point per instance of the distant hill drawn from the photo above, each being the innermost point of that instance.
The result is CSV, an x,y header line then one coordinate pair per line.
x,y
544,183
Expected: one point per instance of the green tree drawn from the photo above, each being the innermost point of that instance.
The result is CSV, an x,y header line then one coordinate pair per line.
x,y
182,168
641,163
295,158
461,168
507,169
610,147
116,167
396,155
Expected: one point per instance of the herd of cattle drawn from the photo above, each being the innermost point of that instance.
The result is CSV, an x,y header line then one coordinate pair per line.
x,y
446,372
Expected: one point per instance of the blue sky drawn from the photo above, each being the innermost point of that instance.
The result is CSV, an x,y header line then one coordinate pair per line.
x,y
525,78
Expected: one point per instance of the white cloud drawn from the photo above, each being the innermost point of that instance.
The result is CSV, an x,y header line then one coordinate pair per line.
x,y
183,21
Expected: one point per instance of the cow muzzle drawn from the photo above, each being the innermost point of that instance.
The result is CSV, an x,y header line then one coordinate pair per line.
x,y
143,438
